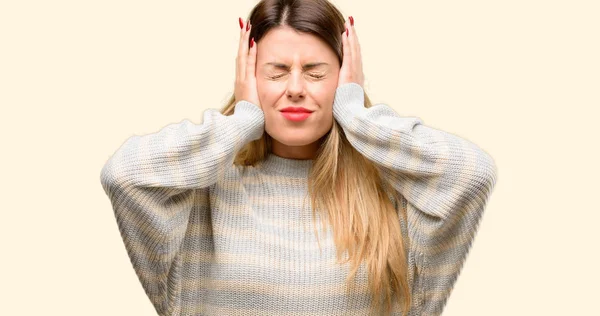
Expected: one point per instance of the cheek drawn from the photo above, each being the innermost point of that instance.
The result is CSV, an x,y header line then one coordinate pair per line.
x,y
268,91
323,94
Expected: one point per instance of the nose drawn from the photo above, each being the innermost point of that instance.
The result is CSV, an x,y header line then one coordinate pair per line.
x,y
295,87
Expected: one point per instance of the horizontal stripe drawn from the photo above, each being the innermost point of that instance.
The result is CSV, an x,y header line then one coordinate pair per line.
x,y
207,237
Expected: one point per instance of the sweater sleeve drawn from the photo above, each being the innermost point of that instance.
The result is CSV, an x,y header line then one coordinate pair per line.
x,y
445,180
152,181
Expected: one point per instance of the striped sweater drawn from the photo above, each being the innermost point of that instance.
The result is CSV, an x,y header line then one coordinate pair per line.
x,y
207,237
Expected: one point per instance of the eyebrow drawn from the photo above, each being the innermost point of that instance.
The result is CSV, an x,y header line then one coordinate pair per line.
x,y
306,66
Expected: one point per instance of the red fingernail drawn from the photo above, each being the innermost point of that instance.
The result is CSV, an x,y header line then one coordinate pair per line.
x,y
351,21
252,42
247,25
346,32
241,23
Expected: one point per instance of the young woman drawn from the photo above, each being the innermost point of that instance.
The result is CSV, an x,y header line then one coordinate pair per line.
x,y
216,217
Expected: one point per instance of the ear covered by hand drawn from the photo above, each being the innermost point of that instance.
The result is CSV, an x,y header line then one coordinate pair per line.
x,y
245,77
351,70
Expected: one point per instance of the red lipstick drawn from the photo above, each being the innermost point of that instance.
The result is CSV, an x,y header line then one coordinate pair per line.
x,y
295,113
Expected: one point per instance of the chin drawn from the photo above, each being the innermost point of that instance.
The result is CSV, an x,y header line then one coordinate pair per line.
x,y
293,137
296,141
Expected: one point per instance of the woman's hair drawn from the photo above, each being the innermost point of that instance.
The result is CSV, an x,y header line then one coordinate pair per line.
x,y
345,187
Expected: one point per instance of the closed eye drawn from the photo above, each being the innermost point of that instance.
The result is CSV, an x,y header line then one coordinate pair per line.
x,y
317,76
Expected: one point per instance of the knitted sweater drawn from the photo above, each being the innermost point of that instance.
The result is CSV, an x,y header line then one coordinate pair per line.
x,y
207,237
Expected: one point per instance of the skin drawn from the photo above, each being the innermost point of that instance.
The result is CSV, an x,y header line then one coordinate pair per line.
x,y
277,73
288,84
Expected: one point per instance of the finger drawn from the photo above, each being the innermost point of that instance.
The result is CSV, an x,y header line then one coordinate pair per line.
x,y
247,41
238,58
242,52
242,34
352,42
346,49
251,64
357,53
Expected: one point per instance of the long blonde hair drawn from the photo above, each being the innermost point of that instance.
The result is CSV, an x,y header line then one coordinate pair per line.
x,y
347,188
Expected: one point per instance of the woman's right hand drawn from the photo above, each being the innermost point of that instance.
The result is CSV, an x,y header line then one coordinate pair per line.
x,y
245,78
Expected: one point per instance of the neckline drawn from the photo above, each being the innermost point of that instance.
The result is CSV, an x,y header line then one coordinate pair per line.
x,y
276,165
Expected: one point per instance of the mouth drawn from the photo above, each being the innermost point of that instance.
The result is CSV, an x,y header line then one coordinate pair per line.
x,y
294,109
296,116
295,113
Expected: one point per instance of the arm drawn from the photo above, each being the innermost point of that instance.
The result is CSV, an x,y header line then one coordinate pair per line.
x,y
152,180
446,181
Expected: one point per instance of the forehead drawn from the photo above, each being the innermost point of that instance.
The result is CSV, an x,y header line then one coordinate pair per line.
x,y
286,45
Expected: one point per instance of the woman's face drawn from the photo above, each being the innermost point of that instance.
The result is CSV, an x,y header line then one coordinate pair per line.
x,y
299,70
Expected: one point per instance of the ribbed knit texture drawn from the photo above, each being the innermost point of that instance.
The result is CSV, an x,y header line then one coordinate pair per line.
x,y
206,237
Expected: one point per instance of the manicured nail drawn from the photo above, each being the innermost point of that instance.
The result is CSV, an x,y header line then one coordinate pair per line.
x,y
252,42
247,25
346,32
351,21
241,23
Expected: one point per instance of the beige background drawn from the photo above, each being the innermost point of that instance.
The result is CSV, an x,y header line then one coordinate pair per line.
x,y
519,78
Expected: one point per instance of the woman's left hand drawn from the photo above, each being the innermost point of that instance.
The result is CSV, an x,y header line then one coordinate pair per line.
x,y
351,70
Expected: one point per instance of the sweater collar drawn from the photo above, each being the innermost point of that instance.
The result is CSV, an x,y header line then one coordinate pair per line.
x,y
276,165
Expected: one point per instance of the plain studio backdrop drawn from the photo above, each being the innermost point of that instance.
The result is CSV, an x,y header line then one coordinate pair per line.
x,y
521,79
